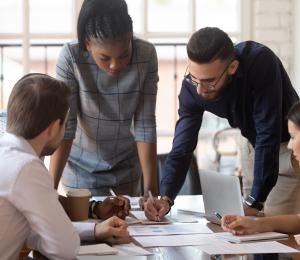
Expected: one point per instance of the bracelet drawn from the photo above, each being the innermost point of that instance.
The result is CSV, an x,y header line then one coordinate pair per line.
x,y
92,207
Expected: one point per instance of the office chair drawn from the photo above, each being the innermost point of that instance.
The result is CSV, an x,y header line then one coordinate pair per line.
x,y
191,184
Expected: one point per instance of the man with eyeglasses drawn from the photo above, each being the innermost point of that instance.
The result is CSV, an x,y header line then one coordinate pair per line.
x,y
248,85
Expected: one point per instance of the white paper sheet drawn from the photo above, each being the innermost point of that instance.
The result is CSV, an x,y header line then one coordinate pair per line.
x,y
97,249
172,229
140,215
254,237
166,220
176,240
131,249
224,247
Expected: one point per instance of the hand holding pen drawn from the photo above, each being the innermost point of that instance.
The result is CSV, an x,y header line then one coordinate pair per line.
x,y
155,209
241,225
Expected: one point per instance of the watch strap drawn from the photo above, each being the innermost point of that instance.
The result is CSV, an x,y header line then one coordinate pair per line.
x,y
253,203
93,205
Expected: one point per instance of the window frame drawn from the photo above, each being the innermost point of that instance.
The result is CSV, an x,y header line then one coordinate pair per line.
x,y
246,13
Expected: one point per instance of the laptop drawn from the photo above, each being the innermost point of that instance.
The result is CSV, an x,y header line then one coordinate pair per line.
x,y
221,193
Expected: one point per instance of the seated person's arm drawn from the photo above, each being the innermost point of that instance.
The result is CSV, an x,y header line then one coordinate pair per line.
x,y
238,225
52,233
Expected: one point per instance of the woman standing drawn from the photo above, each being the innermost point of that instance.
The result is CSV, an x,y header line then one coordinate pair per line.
x,y
111,133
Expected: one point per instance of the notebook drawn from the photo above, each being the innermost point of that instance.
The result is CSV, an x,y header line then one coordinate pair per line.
x,y
254,237
97,249
221,193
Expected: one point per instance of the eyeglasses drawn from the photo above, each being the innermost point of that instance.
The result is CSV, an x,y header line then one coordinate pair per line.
x,y
206,85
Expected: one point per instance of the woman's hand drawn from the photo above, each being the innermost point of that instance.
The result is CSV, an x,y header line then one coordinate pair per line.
x,y
157,209
239,225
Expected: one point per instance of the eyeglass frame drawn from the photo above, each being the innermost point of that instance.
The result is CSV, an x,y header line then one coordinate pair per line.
x,y
208,85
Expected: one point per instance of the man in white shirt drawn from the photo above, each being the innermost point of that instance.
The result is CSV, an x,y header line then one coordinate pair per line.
x,y
30,213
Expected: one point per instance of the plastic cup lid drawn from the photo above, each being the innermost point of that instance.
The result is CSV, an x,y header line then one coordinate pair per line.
x,y
79,193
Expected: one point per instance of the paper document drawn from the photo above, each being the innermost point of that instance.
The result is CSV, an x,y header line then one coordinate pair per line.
x,y
132,221
225,247
134,202
173,229
140,215
131,249
177,240
244,238
98,249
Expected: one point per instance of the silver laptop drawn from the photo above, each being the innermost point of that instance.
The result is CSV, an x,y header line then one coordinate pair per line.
x,y
221,193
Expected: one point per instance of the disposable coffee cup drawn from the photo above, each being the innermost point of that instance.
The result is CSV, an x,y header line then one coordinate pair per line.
x,y
78,200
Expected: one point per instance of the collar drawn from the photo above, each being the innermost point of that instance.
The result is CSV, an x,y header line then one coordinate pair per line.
x,y
17,142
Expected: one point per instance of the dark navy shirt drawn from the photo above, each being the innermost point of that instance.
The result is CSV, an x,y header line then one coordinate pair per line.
x,y
256,100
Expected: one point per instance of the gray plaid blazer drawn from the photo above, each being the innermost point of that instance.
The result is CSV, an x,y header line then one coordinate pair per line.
x,y
109,114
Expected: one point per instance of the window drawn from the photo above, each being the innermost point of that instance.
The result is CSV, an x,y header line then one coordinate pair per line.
x,y
41,18
169,23
9,8
226,14
167,16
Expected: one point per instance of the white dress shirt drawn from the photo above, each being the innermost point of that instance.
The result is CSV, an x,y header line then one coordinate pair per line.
x,y
30,212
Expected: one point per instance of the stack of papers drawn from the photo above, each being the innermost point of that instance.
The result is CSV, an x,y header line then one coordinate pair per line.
x,y
177,240
225,247
254,237
138,217
98,249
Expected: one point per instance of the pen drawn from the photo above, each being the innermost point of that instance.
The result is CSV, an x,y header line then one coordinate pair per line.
x,y
112,192
151,197
152,201
218,215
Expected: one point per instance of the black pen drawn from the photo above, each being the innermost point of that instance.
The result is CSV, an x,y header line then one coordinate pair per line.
x,y
218,215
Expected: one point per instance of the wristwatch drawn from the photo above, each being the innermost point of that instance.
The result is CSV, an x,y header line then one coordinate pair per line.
x,y
92,207
253,203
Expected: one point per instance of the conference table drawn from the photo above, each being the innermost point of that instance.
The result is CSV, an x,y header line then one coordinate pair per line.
x,y
195,203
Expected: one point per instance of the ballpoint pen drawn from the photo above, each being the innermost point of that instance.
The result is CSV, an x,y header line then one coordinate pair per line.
x,y
153,202
112,192
218,215
151,197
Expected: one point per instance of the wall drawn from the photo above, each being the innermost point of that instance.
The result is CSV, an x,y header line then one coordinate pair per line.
x,y
273,25
296,49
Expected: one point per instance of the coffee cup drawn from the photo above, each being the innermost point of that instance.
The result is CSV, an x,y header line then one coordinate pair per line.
x,y
78,200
